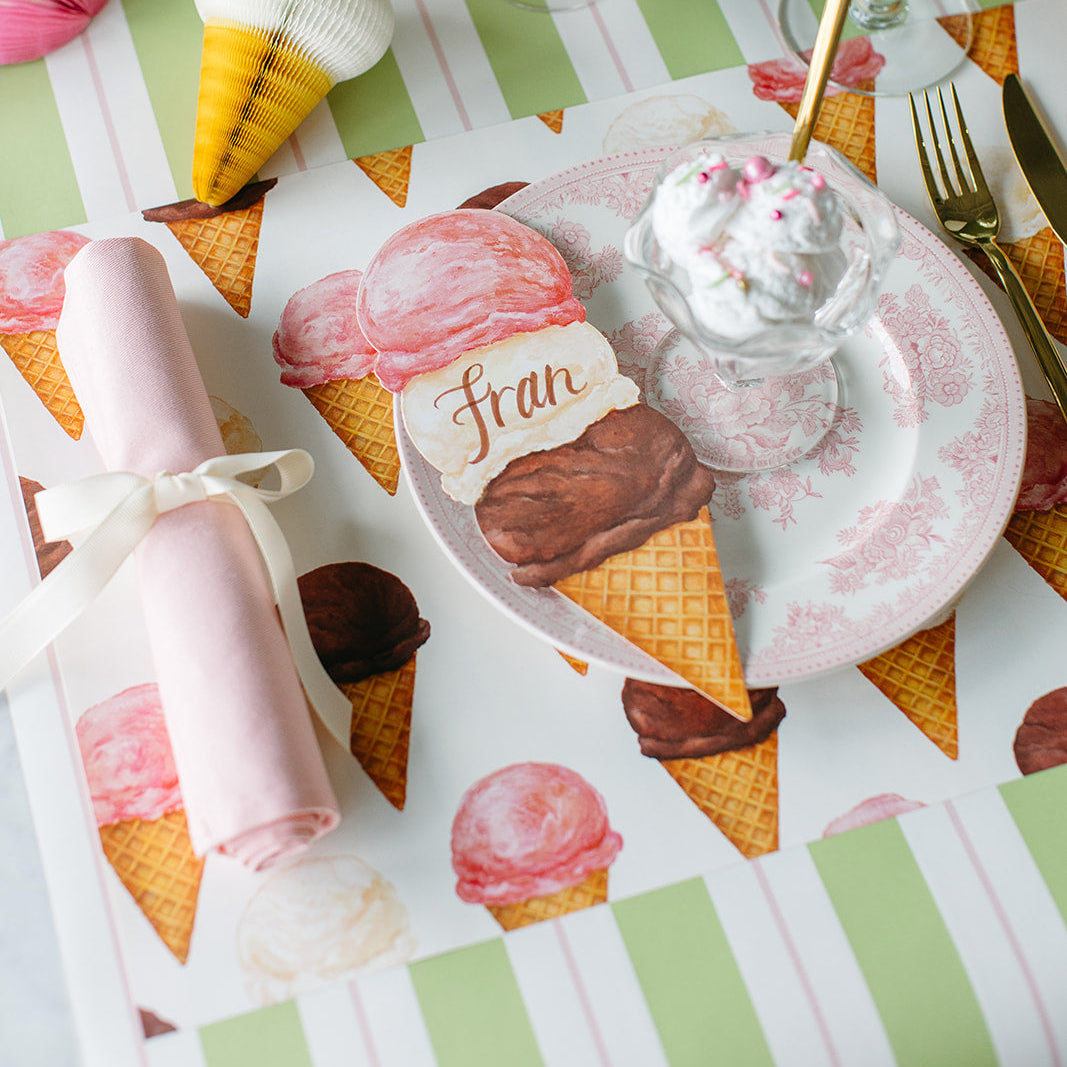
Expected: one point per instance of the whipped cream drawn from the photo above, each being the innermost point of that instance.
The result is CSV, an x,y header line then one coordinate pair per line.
x,y
759,245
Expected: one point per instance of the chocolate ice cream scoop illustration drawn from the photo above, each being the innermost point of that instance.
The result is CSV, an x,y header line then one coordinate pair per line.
x,y
729,769
532,841
511,395
366,629
1041,739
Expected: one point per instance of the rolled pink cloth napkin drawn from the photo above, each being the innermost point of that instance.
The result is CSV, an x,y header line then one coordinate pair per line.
x,y
251,772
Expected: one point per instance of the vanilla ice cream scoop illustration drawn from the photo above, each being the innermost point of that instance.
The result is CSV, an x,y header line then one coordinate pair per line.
x,y
476,325
532,841
316,920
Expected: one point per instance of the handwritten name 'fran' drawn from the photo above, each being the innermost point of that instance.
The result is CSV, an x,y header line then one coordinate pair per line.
x,y
533,393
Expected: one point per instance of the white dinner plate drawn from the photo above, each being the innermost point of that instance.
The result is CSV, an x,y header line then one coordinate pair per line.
x,y
844,554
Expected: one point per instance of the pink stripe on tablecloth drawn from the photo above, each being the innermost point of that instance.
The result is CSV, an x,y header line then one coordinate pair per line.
x,y
583,996
364,1025
442,62
798,964
627,84
109,125
1009,932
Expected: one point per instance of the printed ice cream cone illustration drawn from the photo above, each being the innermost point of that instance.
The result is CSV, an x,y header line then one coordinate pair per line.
x,y
919,677
264,66
321,349
532,842
138,808
553,119
846,120
222,241
727,768
872,810
993,42
579,666
1039,259
667,119
365,626
390,171
519,403
1041,739
1038,528
49,553
31,297
316,920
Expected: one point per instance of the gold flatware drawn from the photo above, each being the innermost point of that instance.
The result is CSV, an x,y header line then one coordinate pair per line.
x,y
966,209
822,60
1038,156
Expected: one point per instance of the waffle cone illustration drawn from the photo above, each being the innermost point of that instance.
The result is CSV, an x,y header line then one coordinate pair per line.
x,y
390,171
667,597
846,122
1039,259
737,791
1040,537
262,74
553,119
993,44
360,412
577,665
155,862
381,728
36,356
919,677
592,890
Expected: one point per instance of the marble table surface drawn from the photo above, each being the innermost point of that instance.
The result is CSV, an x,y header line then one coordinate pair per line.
x,y
35,1026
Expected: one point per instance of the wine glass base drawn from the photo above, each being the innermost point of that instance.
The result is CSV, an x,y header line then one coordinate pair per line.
x,y
930,42
746,427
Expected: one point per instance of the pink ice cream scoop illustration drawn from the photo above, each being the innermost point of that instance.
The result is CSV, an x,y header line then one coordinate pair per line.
x,y
476,325
138,806
31,297
456,281
871,810
321,349
1038,528
531,842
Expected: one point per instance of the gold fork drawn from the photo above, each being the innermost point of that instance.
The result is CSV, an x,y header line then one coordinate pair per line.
x,y
965,208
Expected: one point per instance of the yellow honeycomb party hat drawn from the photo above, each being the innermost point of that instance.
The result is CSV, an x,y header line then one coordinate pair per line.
x,y
265,64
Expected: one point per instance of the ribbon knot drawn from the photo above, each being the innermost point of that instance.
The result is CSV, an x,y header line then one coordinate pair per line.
x,y
176,490
118,509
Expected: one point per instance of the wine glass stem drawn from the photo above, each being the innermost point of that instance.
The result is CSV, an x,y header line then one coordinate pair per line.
x,y
878,14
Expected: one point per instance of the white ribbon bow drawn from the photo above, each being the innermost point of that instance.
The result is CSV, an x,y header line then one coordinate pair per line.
x,y
119,508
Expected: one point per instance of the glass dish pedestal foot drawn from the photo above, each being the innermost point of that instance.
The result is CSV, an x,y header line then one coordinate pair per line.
x,y
742,427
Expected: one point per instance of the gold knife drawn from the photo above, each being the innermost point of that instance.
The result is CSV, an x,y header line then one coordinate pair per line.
x,y
1037,153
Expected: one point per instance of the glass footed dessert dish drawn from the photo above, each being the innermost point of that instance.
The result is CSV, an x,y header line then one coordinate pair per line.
x,y
765,269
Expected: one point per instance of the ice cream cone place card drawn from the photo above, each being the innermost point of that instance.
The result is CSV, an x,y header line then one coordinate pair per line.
x,y
518,404
544,487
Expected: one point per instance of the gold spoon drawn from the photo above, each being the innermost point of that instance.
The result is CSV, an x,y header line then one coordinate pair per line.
x,y
822,59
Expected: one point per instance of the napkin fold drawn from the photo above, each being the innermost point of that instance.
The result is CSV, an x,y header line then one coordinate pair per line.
x,y
249,765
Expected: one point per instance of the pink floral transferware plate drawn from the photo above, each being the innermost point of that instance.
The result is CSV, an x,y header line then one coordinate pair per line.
x,y
865,540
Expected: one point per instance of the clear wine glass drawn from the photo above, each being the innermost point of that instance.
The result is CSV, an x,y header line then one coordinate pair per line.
x,y
921,41
761,401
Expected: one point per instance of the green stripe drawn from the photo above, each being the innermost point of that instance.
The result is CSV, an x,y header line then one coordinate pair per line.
x,y
473,1009
373,112
526,53
901,943
1038,804
691,35
38,189
270,1037
168,38
689,977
